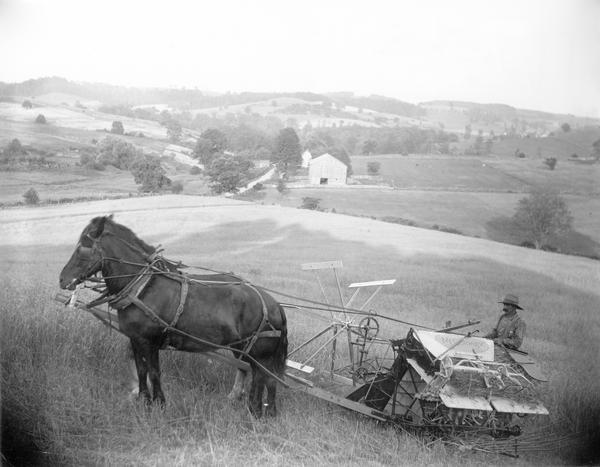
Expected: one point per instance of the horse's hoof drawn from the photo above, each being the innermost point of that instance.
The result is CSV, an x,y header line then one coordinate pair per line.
x,y
270,410
256,412
160,402
235,396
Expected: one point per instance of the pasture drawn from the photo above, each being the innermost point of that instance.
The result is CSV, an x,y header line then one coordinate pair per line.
x,y
79,119
64,378
470,195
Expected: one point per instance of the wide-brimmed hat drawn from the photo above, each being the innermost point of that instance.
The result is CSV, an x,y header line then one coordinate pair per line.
x,y
510,299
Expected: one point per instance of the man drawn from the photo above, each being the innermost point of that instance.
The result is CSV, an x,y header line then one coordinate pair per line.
x,y
510,330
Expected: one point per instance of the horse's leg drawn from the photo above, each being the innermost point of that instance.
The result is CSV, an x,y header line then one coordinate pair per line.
x,y
134,383
239,385
271,407
154,374
134,390
256,392
141,364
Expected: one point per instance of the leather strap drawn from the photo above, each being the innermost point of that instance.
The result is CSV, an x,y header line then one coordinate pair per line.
x,y
184,291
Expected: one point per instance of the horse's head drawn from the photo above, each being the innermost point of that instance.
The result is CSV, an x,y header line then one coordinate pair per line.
x,y
86,260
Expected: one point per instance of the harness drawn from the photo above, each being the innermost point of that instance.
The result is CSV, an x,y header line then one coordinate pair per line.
x,y
157,265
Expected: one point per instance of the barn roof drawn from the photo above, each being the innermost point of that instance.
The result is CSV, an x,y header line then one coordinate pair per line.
x,y
325,157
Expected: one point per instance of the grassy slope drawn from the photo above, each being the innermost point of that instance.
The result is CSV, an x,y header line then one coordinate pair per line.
x,y
471,195
63,375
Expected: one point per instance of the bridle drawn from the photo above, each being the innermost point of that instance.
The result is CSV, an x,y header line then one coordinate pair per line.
x,y
96,253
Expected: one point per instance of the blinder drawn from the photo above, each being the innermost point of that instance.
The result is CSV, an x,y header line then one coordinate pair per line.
x,y
85,252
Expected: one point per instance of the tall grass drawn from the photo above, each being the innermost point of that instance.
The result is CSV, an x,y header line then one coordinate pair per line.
x,y
65,380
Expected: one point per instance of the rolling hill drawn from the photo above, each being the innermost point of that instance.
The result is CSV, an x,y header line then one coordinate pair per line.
x,y
332,109
65,377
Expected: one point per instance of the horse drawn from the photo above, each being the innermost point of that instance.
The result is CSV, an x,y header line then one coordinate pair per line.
x,y
159,306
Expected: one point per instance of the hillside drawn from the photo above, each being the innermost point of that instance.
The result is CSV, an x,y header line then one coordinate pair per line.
x,y
441,181
333,109
69,402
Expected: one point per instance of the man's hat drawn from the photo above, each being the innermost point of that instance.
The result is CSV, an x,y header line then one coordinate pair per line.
x,y
510,299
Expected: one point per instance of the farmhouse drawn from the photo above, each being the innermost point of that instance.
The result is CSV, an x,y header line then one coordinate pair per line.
x,y
327,170
306,158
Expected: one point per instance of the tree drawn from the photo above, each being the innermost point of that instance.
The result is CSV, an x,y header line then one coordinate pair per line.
x,y
373,167
174,130
176,187
541,216
287,151
468,131
342,155
148,173
31,196
282,187
227,173
308,202
14,148
217,138
550,162
596,149
369,147
210,143
565,127
40,119
121,154
117,128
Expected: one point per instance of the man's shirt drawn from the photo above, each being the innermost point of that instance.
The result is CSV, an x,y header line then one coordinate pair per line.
x,y
510,330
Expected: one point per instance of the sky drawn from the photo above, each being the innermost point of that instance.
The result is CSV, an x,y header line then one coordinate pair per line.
x,y
534,54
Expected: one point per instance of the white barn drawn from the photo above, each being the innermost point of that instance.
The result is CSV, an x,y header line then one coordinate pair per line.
x,y
327,170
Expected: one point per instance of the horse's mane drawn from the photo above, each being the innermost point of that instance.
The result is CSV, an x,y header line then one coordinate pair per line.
x,y
124,233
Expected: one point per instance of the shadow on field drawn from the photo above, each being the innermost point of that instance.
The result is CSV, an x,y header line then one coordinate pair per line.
x,y
18,444
502,229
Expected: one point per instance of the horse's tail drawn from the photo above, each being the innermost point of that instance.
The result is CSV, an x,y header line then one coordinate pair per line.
x,y
281,351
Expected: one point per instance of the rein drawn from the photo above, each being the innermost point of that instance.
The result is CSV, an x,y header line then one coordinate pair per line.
x,y
156,265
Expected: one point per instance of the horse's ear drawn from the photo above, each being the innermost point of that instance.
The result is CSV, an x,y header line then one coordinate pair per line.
x,y
98,223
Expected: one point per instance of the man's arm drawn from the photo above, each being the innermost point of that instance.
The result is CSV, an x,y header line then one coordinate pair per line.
x,y
515,338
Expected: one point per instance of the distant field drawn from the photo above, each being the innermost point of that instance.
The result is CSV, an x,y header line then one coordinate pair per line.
x,y
54,185
478,174
561,145
65,377
82,119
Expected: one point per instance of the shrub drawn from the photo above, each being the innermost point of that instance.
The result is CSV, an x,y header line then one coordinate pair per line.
x,y
259,186
31,196
443,228
195,170
282,187
308,202
550,162
40,119
148,173
228,172
121,154
373,167
176,187
399,220
117,128
541,216
27,104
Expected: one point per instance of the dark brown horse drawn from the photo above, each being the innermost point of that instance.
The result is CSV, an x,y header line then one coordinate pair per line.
x,y
158,306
